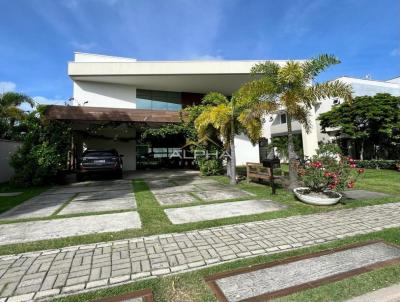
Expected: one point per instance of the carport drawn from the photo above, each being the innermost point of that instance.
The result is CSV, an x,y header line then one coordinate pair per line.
x,y
107,128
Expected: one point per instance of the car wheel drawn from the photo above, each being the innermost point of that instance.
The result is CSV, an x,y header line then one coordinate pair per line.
x,y
79,177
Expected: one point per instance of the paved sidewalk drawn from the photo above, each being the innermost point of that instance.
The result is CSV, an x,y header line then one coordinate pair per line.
x,y
75,269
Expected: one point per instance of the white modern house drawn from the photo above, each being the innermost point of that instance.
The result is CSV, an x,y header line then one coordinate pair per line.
x,y
114,95
276,124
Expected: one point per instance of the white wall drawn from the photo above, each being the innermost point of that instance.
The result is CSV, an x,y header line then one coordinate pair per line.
x,y
245,151
128,149
7,148
104,95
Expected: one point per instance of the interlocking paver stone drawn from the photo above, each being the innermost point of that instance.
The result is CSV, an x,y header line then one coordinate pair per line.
x,y
224,243
247,285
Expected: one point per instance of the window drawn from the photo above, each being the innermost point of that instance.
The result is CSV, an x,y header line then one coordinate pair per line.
x,y
283,118
336,101
158,100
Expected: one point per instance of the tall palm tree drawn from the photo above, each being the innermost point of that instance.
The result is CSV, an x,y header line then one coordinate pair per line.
x,y
224,115
290,88
10,112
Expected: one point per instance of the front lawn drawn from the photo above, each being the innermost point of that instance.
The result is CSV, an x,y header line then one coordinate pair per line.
x,y
154,220
7,203
190,287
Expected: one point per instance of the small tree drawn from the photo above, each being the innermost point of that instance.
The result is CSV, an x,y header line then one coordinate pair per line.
x,y
375,119
228,118
289,87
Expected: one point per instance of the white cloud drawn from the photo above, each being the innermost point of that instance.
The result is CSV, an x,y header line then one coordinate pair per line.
x,y
7,86
395,52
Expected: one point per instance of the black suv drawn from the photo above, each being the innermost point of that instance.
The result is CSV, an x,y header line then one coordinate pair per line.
x,y
100,161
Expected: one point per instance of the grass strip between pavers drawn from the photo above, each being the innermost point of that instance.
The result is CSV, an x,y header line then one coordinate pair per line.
x,y
154,220
191,287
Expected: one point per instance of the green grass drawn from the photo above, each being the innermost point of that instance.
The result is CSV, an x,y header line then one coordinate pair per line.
x,y
9,202
154,220
386,181
190,287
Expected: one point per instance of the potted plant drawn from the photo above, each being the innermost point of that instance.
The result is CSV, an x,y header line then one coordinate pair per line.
x,y
325,176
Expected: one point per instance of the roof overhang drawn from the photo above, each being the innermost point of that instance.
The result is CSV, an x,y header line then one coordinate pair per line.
x,y
183,76
100,114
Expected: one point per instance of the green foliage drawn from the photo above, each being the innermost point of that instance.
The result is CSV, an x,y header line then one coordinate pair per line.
x,y
168,131
329,171
11,115
288,87
377,164
281,145
375,119
44,151
209,167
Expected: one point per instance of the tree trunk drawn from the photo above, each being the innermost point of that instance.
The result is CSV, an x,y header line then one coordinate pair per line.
x,y
233,158
228,167
292,156
362,150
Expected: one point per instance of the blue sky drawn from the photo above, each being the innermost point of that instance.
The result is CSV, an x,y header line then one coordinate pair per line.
x,y
38,37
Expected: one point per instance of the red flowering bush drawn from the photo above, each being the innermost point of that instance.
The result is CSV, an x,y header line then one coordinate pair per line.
x,y
329,172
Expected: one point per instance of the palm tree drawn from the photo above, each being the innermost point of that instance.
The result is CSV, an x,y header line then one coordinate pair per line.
x,y
290,87
10,112
224,115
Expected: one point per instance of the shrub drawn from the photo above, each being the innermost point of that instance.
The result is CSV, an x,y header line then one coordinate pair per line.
x,y
43,153
209,166
377,164
328,171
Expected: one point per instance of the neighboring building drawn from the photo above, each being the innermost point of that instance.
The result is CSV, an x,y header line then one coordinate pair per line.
x,y
115,95
276,124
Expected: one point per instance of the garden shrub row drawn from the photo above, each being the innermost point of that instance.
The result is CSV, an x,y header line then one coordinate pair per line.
x,y
377,164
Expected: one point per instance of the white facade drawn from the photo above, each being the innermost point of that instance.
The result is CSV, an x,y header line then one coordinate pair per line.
x,y
113,82
274,126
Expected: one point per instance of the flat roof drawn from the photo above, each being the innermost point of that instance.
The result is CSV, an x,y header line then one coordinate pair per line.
x,y
82,113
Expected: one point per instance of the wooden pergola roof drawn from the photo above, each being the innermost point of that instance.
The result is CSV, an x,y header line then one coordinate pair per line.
x,y
81,113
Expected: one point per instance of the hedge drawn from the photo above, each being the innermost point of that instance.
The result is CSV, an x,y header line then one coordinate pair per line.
x,y
377,164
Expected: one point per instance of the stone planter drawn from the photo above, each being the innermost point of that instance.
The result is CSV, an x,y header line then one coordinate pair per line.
x,y
314,198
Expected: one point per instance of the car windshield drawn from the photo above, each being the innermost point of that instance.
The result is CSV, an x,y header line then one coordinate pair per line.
x,y
99,153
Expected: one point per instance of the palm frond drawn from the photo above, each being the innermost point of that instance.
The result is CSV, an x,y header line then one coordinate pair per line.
x,y
15,99
266,69
214,98
318,64
328,89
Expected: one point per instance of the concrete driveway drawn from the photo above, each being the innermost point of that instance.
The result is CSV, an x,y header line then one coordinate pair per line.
x,y
72,210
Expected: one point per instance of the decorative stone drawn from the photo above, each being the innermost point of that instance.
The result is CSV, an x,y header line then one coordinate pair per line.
x,y
274,280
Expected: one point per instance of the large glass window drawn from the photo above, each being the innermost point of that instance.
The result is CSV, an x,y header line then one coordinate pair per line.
x,y
158,100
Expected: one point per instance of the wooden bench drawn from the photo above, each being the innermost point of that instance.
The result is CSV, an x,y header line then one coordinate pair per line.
x,y
258,171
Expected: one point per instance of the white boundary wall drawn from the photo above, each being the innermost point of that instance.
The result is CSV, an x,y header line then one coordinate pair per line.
x,y
7,148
